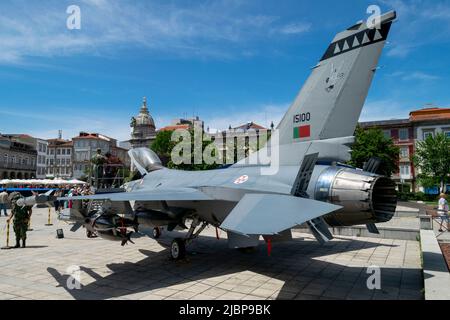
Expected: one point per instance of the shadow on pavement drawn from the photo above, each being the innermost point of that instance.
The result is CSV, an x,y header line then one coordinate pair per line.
x,y
295,263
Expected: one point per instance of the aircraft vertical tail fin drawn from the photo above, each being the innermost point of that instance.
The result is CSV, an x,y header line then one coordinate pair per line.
x,y
330,102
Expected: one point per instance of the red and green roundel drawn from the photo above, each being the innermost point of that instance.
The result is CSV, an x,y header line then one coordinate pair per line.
x,y
302,132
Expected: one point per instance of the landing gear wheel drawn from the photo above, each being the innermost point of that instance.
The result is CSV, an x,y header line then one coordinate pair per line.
x,y
156,233
178,249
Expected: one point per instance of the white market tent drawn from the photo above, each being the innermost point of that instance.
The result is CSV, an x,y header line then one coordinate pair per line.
x,y
36,182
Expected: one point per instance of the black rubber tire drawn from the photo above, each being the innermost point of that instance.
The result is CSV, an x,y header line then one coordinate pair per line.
x,y
178,249
247,250
156,233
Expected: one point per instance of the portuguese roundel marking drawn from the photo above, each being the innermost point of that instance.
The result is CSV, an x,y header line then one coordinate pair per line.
x,y
241,180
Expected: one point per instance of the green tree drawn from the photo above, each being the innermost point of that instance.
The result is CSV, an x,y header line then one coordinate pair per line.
x,y
433,159
373,143
163,146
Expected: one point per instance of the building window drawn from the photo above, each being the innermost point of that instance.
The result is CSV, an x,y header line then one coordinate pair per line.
x,y
428,133
405,170
387,134
447,134
404,152
64,151
403,134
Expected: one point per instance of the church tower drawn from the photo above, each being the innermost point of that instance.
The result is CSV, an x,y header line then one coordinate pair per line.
x,y
143,131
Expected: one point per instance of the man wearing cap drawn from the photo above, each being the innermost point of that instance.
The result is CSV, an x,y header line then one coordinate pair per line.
x,y
21,215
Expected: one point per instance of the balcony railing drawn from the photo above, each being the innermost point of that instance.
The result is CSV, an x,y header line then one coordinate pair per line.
x,y
16,166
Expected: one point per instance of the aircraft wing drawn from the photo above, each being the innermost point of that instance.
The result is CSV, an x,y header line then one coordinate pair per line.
x,y
176,194
270,214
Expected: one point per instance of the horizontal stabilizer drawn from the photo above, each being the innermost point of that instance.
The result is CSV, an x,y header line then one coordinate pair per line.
x,y
270,214
178,194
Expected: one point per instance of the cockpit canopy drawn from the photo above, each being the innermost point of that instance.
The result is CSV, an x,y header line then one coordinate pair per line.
x,y
145,160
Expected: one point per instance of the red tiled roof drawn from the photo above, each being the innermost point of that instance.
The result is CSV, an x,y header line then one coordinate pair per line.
x,y
430,114
250,125
96,136
59,143
173,128
119,148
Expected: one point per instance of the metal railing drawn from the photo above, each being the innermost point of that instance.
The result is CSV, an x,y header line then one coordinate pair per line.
x,y
106,175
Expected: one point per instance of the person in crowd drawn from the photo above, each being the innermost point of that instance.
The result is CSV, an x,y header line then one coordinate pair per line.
x,y
4,201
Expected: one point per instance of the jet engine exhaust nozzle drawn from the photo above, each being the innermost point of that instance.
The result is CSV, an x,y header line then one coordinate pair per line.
x,y
365,197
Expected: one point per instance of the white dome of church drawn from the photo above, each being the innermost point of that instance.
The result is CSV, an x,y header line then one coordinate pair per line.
x,y
144,118
143,130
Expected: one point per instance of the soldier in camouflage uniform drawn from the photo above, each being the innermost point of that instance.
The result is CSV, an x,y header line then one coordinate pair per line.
x,y
98,161
21,217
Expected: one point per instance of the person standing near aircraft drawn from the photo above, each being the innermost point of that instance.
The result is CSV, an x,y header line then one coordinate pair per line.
x,y
443,211
21,215
4,202
98,162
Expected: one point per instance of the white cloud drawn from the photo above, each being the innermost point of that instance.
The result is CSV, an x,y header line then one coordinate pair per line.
x,y
263,115
295,28
212,29
72,123
415,25
384,110
415,76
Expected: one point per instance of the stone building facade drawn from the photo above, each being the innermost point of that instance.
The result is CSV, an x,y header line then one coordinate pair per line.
x,y
17,159
406,133
59,158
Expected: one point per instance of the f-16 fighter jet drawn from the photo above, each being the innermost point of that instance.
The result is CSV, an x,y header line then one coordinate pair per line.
x,y
251,199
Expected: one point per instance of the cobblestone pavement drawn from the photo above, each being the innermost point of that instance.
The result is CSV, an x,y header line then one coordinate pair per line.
x,y
301,269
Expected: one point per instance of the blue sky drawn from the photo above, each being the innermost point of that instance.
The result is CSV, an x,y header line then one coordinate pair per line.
x,y
226,61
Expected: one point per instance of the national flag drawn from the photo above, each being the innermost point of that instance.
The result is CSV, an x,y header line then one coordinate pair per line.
x,y
302,132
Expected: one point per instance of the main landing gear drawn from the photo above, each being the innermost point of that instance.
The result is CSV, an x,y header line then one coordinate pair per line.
x,y
156,233
178,249
178,246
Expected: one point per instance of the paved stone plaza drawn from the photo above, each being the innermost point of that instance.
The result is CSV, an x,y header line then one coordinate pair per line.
x,y
301,269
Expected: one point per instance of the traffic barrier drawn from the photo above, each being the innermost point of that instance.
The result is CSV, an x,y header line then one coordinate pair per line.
x,y
7,236
49,222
